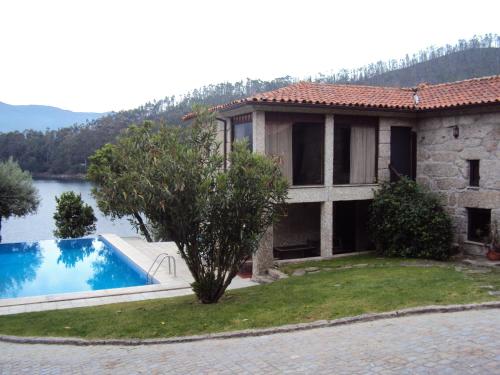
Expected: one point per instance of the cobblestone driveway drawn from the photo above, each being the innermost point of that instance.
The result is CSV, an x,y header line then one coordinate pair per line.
x,y
452,343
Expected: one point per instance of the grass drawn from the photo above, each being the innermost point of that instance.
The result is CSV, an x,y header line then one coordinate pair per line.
x,y
381,285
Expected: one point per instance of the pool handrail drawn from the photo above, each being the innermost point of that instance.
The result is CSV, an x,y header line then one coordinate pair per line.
x,y
150,275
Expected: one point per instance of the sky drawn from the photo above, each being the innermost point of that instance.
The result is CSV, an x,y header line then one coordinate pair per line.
x,y
104,55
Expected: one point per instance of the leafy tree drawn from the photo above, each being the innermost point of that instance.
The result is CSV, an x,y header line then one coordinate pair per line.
x,y
110,171
175,178
409,221
73,217
18,195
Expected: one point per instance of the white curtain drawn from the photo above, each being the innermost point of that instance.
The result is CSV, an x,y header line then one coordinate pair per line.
x,y
363,143
279,145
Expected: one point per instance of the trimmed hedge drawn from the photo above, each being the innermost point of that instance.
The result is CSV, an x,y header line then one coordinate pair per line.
x,y
409,221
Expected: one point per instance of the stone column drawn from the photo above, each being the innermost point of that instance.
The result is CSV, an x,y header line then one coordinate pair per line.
x,y
259,132
327,207
384,150
263,259
326,229
228,140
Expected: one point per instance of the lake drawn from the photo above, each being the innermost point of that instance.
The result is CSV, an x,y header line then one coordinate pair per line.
x,y
40,226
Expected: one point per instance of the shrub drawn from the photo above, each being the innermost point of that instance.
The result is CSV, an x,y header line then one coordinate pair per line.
x,y
73,217
409,221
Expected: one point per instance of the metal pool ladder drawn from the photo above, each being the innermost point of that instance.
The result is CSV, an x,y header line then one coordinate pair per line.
x,y
158,262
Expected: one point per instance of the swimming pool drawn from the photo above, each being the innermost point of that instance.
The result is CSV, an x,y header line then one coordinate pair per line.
x,y
63,266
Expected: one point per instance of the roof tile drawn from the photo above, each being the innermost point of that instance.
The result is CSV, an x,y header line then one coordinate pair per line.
x,y
446,95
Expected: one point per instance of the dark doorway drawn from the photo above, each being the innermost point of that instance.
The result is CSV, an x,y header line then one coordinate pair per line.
x,y
478,226
403,153
350,221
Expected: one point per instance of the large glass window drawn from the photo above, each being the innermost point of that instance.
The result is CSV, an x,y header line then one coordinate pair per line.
x,y
308,143
354,152
242,129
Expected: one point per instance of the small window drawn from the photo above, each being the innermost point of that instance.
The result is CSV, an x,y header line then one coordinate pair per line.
x,y
242,129
479,224
308,141
474,173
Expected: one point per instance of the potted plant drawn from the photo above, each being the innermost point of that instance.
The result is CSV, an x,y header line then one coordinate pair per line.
x,y
493,244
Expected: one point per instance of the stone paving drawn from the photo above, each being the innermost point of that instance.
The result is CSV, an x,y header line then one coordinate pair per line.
x,y
451,343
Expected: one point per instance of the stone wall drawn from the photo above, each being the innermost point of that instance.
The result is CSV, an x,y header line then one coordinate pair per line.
x,y
443,165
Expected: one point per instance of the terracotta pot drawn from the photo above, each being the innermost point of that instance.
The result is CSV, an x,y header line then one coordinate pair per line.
x,y
493,254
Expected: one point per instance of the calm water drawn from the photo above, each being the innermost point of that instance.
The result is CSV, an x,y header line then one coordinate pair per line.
x,y
41,225
62,266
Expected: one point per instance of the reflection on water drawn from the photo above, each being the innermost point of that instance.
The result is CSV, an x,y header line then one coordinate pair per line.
x,y
20,262
73,251
40,226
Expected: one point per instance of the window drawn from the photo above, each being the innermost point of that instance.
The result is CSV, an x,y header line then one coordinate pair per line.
x,y
479,220
354,151
242,129
308,140
342,154
474,173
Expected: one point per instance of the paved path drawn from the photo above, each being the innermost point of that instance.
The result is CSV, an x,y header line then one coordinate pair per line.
x,y
452,343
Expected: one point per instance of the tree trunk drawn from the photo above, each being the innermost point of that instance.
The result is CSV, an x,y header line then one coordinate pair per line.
x,y
142,227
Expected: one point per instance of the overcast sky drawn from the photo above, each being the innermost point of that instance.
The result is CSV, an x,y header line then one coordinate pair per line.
x,y
105,55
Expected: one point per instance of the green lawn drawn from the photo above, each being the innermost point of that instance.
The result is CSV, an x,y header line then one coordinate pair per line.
x,y
336,291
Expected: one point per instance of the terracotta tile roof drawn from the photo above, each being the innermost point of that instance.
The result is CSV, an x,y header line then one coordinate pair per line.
x,y
462,93
423,97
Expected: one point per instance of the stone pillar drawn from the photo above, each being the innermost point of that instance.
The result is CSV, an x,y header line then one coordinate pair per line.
x,y
328,168
228,140
326,229
259,132
263,259
384,150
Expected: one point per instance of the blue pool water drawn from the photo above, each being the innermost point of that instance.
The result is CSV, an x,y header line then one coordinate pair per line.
x,y
62,266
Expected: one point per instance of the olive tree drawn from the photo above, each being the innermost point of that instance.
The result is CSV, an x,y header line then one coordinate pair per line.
x,y
18,195
74,218
216,217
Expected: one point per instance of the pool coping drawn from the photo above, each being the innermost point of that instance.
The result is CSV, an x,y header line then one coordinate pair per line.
x,y
139,260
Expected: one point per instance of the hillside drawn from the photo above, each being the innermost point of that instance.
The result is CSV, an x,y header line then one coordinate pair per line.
x,y
40,117
457,66
65,151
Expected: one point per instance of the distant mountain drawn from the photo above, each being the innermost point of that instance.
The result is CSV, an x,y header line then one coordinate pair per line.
x,y
40,117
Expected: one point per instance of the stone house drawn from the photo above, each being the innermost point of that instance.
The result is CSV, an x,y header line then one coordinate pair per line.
x,y
335,143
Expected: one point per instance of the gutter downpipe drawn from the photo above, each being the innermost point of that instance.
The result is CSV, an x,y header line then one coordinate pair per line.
x,y
225,141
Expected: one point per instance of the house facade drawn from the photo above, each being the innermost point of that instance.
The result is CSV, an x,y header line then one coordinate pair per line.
x,y
336,143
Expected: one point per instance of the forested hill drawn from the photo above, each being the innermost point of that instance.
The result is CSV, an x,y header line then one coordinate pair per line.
x,y
454,67
66,151
40,117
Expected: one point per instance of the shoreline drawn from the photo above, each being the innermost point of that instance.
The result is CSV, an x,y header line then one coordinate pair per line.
x,y
60,177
